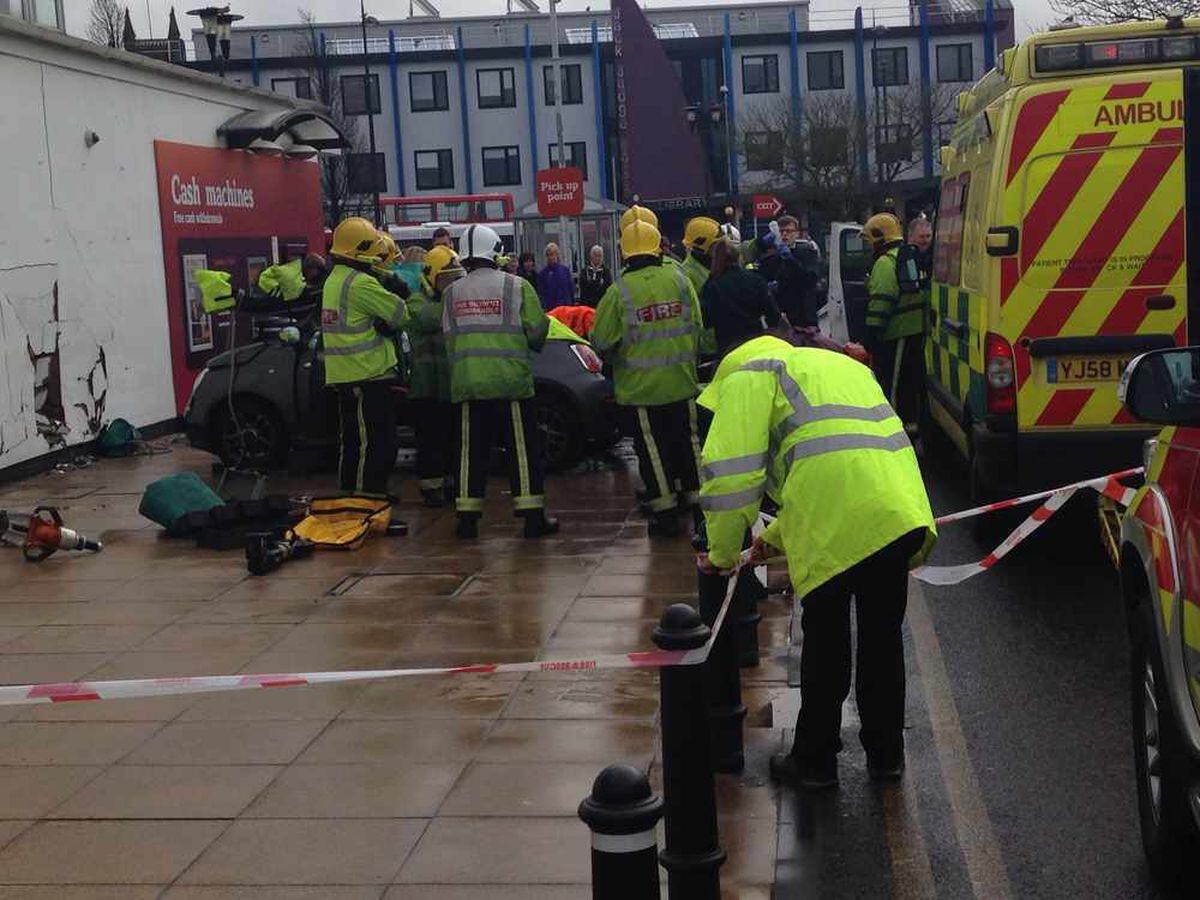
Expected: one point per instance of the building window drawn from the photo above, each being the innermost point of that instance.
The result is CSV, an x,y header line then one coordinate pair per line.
x,y
501,165
576,155
43,12
497,88
893,143
954,63
427,91
825,72
355,102
889,66
828,145
572,83
764,151
760,74
300,88
366,173
435,169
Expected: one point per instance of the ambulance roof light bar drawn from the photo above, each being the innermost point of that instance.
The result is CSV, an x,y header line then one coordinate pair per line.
x,y
1103,54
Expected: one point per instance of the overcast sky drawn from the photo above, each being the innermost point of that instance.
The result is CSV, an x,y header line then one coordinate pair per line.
x,y
150,16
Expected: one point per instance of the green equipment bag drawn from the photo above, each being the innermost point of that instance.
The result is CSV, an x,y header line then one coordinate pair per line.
x,y
117,438
168,501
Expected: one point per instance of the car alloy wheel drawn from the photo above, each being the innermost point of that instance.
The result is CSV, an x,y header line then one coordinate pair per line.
x,y
1150,741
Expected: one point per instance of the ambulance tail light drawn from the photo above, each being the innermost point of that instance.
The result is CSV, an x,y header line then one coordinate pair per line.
x,y
1001,374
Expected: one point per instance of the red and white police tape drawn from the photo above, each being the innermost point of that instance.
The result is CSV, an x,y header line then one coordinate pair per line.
x,y
70,691
1108,485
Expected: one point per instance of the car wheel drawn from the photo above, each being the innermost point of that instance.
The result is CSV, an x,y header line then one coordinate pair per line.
x,y
1168,833
253,436
560,430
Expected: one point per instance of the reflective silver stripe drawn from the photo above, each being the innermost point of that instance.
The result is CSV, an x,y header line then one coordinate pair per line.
x,y
357,347
804,411
735,500
639,331
682,282
492,352
835,442
343,326
653,362
489,329
735,465
512,305
399,316
630,307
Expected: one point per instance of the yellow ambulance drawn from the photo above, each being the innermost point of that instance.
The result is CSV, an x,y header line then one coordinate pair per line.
x,y
1062,233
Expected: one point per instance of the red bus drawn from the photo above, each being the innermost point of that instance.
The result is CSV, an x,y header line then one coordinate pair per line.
x,y
458,209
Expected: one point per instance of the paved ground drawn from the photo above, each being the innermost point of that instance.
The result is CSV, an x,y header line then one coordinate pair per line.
x,y
1019,781
429,788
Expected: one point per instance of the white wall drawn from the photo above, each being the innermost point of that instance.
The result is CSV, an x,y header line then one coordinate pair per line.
x,y
84,224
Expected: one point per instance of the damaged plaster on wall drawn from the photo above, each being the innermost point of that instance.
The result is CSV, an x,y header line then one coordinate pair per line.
x,y
35,387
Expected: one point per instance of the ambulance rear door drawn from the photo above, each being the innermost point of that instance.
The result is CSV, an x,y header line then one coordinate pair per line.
x,y
1095,179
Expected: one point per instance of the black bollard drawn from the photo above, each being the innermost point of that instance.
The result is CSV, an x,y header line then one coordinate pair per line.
x,y
744,617
622,813
693,854
726,711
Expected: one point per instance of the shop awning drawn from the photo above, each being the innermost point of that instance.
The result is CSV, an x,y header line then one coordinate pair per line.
x,y
295,126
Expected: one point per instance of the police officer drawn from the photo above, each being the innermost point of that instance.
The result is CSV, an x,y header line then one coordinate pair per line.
x,y
359,319
895,319
491,321
812,430
429,381
649,324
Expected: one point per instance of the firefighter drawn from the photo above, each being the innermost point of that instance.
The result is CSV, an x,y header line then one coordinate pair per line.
x,y
637,213
649,324
429,381
492,321
895,317
698,237
359,319
812,430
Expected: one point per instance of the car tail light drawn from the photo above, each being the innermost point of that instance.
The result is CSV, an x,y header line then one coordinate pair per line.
x,y
1001,375
588,358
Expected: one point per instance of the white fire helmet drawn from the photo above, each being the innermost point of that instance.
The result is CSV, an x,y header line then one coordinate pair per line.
x,y
479,242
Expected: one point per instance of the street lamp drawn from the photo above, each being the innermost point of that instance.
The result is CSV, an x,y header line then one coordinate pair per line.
x,y
366,20
216,22
719,110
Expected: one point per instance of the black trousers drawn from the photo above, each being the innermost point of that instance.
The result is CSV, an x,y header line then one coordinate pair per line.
x,y
667,442
433,421
879,586
484,424
367,426
900,370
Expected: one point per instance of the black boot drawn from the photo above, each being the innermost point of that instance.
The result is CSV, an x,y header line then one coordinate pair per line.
x,y
664,524
538,524
468,526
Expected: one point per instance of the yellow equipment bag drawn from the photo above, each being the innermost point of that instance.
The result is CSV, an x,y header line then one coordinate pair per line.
x,y
343,523
285,281
216,294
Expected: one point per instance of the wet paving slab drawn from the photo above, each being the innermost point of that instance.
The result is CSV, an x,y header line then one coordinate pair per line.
x,y
432,787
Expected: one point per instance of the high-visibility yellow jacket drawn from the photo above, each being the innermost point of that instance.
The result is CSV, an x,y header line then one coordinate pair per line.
x,y
430,375
812,428
352,303
648,323
492,321
892,315
696,272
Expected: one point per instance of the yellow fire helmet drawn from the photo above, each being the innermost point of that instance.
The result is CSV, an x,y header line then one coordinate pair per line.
x,y
640,239
882,229
355,238
441,269
700,233
391,253
637,213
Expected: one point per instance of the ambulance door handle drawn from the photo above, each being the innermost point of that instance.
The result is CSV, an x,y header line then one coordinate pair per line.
x,y
1160,301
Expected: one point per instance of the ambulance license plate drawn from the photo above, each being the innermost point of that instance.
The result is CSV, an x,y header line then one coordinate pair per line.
x,y
1068,369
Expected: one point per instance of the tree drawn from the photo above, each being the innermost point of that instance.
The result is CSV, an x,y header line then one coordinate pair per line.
x,y
1109,12
325,87
105,21
814,158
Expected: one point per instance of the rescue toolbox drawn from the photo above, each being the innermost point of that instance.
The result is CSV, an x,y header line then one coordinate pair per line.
x,y
1065,222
